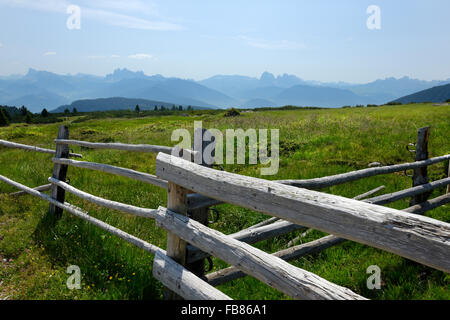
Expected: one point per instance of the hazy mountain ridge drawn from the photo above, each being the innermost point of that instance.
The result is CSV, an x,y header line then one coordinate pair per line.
x,y
278,89
39,89
318,96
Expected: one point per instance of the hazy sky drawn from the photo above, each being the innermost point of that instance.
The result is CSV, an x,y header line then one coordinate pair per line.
x,y
325,40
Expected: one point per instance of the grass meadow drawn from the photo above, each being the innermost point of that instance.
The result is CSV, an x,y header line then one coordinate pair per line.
x,y
35,251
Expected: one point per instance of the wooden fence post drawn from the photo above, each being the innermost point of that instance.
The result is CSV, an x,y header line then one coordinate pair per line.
x,y
176,247
59,172
201,214
177,201
420,174
448,187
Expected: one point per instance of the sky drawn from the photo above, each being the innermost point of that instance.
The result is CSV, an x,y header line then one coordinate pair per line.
x,y
323,40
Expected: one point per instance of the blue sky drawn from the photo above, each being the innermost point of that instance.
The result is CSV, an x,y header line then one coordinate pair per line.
x,y
324,40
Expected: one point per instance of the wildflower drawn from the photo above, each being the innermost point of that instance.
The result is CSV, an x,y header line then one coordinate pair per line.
x,y
110,277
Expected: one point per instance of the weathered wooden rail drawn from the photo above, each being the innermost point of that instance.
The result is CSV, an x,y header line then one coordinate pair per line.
x,y
415,237
320,183
33,148
192,188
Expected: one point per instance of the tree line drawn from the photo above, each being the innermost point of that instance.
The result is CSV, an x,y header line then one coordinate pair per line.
x,y
163,108
12,114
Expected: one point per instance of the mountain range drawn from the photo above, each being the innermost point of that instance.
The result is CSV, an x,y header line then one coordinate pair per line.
x,y
39,89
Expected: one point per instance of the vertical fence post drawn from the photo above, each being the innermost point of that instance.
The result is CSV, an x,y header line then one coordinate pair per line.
x,y
201,214
448,171
177,202
421,174
59,172
176,247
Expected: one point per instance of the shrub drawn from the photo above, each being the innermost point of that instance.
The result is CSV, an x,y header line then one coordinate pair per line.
x,y
232,113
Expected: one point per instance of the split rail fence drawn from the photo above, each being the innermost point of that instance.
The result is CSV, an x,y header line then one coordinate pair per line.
x,y
293,204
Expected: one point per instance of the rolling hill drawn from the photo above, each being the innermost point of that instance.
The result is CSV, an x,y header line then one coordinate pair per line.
x,y
116,103
435,94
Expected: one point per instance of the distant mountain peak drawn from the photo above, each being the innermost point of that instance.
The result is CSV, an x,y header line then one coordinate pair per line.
x,y
33,72
267,77
121,74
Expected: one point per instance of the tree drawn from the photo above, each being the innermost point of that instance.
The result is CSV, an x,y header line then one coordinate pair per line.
x,y
180,108
74,110
23,111
174,108
29,117
6,112
3,119
66,110
189,108
163,108
44,113
156,108
137,109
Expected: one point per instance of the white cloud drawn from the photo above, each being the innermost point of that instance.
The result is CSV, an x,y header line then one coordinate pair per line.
x,y
140,56
1,44
271,45
109,12
50,53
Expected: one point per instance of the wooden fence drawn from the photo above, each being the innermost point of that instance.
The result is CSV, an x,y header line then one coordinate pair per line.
x,y
294,205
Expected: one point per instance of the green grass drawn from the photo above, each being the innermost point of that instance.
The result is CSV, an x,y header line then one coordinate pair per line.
x,y
36,250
